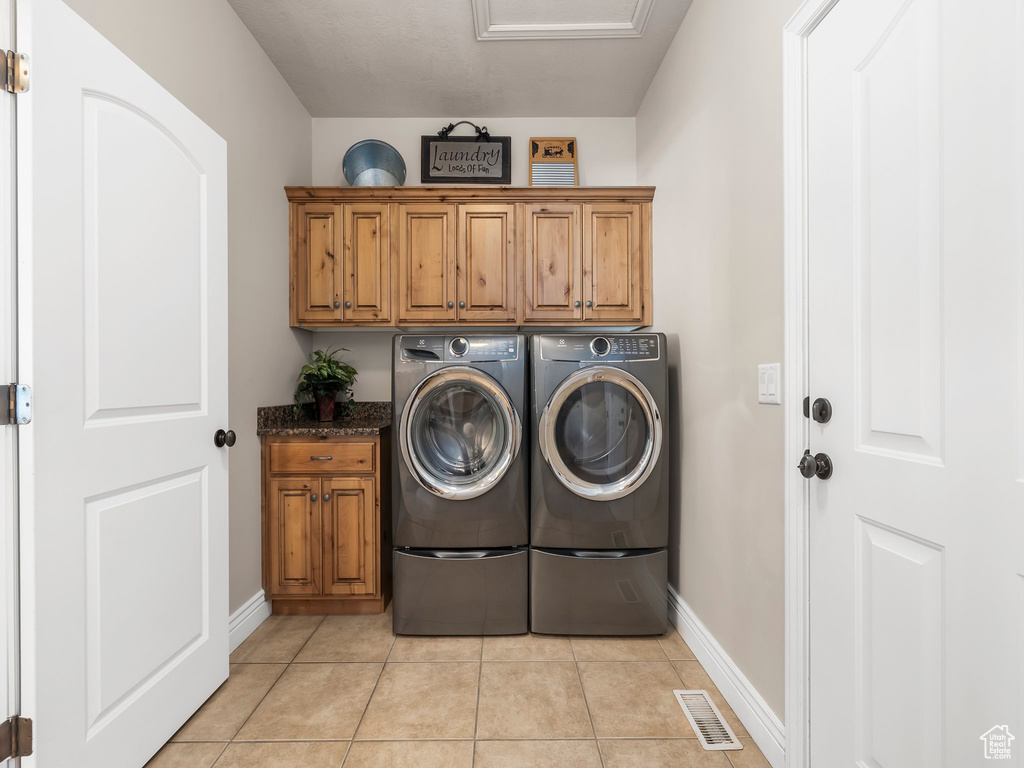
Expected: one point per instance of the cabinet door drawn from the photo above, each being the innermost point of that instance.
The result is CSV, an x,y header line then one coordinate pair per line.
x,y
316,263
350,530
294,536
426,261
612,263
553,262
487,263
367,263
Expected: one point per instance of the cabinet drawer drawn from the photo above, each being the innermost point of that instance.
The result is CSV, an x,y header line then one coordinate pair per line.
x,y
327,457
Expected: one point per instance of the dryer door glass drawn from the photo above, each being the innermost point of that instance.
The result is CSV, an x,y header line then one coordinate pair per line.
x,y
601,433
460,433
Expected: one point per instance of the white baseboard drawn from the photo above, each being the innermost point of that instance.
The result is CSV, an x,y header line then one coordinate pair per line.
x,y
244,621
757,717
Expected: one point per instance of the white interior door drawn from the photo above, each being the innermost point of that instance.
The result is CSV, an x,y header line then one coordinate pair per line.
x,y
916,316
123,293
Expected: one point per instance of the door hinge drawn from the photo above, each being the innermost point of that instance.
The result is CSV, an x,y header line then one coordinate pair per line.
x,y
15,738
17,405
16,72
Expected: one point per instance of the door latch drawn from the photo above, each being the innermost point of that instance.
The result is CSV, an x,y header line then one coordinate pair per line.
x,y
17,405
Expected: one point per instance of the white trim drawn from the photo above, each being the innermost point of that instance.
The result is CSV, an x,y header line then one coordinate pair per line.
x,y
753,711
485,30
795,371
244,621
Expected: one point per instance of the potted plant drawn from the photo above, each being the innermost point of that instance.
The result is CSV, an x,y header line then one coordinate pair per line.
x,y
322,379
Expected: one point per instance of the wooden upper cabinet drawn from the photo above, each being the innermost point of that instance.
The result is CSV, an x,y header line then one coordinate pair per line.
x,y
426,262
367,263
553,262
350,536
476,256
612,262
316,266
293,522
487,284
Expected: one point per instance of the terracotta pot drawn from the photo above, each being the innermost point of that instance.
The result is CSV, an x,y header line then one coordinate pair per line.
x,y
325,406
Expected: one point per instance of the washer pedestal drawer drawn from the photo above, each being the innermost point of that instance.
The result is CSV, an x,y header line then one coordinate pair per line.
x,y
460,592
580,592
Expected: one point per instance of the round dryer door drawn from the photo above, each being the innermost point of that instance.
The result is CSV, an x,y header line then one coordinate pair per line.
x,y
459,433
601,433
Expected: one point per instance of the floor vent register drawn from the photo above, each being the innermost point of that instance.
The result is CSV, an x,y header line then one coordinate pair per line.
x,y
707,721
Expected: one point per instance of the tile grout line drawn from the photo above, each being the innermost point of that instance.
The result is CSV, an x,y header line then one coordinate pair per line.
x,y
287,666
476,717
348,750
373,690
586,703
223,748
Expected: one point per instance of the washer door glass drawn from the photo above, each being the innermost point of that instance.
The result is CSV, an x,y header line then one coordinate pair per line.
x,y
601,433
460,433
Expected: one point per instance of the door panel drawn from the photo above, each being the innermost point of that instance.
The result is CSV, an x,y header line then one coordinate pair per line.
x,y
426,280
350,515
367,262
126,572
916,236
318,274
487,263
554,266
612,262
294,521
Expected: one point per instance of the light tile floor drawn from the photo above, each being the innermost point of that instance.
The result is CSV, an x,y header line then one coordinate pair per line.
x,y
315,692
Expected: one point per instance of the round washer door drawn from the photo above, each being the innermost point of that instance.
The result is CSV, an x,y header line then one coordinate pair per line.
x,y
459,433
601,433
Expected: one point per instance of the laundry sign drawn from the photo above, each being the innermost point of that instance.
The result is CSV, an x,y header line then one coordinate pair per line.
x,y
466,160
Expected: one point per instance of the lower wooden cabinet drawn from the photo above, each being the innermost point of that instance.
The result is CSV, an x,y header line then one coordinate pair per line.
x,y
327,523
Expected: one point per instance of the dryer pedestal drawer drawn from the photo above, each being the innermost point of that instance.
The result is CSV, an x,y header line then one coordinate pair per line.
x,y
460,592
579,592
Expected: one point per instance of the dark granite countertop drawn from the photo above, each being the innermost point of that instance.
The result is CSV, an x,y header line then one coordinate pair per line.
x,y
356,419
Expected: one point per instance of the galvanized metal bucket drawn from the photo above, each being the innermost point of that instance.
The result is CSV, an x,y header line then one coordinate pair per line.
x,y
373,163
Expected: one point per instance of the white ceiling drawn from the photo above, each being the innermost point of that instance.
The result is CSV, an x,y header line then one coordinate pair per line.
x,y
408,58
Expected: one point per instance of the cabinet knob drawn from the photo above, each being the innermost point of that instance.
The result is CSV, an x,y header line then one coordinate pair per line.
x,y
327,497
312,497
590,303
348,305
451,304
576,304
462,305
337,304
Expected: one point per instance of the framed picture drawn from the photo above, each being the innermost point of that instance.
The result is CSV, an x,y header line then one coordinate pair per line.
x,y
553,162
465,160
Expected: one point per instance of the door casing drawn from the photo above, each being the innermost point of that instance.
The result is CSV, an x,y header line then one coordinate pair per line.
x,y
795,374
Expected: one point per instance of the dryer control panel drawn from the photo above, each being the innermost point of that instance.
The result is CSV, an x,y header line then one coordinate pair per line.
x,y
601,348
467,349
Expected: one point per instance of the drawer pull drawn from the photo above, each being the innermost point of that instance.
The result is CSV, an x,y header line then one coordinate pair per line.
x,y
321,458
327,497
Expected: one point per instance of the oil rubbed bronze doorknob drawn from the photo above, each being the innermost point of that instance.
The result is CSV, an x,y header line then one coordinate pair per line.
x,y
222,438
819,465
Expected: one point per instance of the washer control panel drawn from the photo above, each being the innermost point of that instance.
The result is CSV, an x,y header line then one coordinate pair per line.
x,y
611,348
466,349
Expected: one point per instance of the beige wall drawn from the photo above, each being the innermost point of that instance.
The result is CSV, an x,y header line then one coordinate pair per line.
x,y
709,135
201,52
607,156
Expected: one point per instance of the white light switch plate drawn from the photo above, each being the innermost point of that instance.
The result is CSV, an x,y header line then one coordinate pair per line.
x,y
768,389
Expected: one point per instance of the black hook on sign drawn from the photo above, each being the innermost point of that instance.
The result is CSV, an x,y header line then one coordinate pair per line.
x,y
481,132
